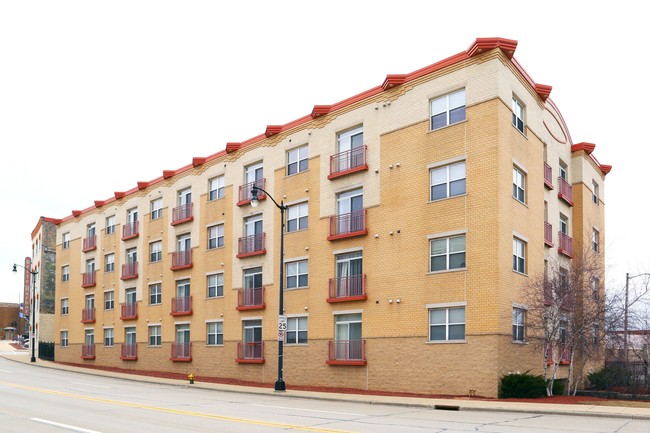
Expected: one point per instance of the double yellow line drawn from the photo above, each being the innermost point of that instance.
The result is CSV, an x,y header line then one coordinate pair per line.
x,y
174,411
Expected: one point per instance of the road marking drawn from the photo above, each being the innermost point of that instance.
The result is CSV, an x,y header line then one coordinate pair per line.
x,y
175,411
64,426
90,384
6,371
308,410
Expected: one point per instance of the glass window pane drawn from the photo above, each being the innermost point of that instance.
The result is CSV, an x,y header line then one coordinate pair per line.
x,y
437,333
438,246
438,106
457,115
457,261
438,121
457,171
439,175
303,280
439,191
457,99
457,187
457,315
438,263
457,244
437,317
457,332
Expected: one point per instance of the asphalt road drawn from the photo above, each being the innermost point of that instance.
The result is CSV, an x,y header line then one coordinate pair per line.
x,y
46,400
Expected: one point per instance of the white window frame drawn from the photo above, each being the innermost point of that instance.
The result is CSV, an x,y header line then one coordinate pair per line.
x,y
295,327
110,225
299,214
299,158
451,179
214,281
518,115
109,262
214,330
216,238
518,325
448,253
65,306
595,193
519,184
595,288
66,240
64,338
65,273
156,336
109,337
216,188
109,300
156,208
157,295
447,104
595,240
155,251
519,255
447,324
297,269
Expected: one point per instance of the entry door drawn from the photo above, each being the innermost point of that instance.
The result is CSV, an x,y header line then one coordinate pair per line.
x,y
90,302
349,273
253,339
129,334
184,243
348,336
254,173
130,296
90,337
90,266
348,207
132,216
351,139
184,197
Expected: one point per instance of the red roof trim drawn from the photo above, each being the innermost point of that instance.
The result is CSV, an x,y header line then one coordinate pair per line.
x,y
100,203
393,80
272,130
168,173
587,147
119,195
543,91
232,147
508,46
320,110
142,185
198,160
76,213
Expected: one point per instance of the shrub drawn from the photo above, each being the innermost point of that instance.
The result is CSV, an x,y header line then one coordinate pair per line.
x,y
558,387
522,385
608,378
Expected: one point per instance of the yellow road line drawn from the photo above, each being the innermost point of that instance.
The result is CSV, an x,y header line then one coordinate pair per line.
x,y
174,411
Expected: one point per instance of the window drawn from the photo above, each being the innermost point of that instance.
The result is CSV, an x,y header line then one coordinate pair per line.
x,y
66,240
215,333
110,225
595,288
518,324
109,262
216,188
297,275
65,306
447,253
215,286
517,115
447,181
109,300
215,237
155,335
109,337
518,256
155,294
297,217
297,160
64,338
595,332
156,208
65,273
296,330
595,240
446,324
448,109
564,224
155,251
518,185
563,170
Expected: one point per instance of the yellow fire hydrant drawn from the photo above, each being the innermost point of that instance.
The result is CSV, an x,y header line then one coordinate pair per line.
x,y
191,378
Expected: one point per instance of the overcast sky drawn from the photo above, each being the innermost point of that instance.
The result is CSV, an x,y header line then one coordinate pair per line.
x,y
96,96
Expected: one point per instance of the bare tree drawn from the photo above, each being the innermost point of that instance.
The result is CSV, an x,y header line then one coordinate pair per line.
x,y
566,316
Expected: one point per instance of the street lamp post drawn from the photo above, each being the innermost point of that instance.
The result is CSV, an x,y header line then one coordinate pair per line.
x,y
627,307
279,384
33,309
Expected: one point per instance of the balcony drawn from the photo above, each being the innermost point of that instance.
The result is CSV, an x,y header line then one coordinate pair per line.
x,y
250,352
182,214
566,245
348,225
349,161
88,279
343,289
181,352
90,243
548,234
181,260
181,306
129,311
129,271
566,191
130,230
251,299
88,315
565,354
347,352
548,176
245,192
253,245
88,351
129,352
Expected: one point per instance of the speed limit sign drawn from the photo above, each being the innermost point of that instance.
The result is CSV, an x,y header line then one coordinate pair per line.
x,y
282,327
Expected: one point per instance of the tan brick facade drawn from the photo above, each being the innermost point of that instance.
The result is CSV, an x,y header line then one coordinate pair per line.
x,y
402,221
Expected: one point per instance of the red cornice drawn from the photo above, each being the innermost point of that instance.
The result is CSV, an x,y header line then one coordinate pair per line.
x,y
119,195
100,203
272,130
320,110
232,147
143,185
543,90
508,46
196,161
393,80
587,147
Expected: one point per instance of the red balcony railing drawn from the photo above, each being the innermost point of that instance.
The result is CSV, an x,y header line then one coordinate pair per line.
x,y
130,230
251,352
252,245
181,352
352,288
129,311
548,234
251,299
88,351
90,243
88,315
548,176
349,161
181,260
182,213
181,306
347,352
566,191
245,191
566,245
129,271
129,352
348,225
88,279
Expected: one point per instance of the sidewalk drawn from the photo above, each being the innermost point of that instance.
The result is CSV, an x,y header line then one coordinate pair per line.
x,y
24,356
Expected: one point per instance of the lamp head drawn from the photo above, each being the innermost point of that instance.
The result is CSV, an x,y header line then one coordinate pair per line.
x,y
15,270
254,200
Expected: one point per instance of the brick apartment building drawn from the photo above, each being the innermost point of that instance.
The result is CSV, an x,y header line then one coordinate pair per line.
x,y
417,212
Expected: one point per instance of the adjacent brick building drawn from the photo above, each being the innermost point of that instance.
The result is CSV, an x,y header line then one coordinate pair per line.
x,y
417,212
